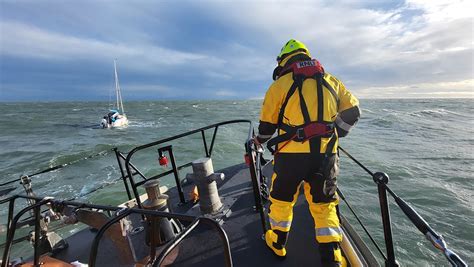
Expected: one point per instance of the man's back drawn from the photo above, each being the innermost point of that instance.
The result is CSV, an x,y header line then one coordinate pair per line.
x,y
332,105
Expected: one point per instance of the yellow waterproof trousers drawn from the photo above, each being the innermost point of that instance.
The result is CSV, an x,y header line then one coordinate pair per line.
x,y
319,178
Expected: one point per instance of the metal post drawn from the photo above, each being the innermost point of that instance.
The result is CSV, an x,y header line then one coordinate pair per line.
x,y
11,208
128,165
205,143
134,188
176,176
381,179
37,236
256,187
124,177
213,139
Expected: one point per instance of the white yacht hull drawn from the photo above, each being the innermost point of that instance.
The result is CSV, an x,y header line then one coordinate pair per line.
x,y
121,122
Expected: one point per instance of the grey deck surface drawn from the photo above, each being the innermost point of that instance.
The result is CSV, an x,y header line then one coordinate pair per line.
x,y
203,247
244,230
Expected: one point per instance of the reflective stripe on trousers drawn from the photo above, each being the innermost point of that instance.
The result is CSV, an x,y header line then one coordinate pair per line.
x,y
290,171
281,224
328,231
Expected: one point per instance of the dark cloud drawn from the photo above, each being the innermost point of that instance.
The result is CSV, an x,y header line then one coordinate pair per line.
x,y
221,49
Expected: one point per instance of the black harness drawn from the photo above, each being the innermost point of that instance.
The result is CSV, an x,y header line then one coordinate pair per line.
x,y
311,131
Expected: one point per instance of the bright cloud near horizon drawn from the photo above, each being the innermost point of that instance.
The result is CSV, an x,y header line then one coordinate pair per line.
x,y
64,50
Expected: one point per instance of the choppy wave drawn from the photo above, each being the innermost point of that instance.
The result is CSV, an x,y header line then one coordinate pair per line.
x,y
381,122
365,110
438,113
406,138
71,158
147,124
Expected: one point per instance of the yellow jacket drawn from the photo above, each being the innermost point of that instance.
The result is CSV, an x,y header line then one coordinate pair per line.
x,y
276,95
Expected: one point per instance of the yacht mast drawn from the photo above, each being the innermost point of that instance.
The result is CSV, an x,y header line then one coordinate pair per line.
x,y
117,90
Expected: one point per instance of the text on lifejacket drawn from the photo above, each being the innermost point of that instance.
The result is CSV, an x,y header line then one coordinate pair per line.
x,y
302,64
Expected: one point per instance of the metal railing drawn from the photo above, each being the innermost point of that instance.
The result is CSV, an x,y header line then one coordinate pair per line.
x,y
128,172
13,220
255,157
382,179
131,170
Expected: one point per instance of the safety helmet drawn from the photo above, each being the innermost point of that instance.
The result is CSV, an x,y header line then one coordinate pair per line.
x,y
292,46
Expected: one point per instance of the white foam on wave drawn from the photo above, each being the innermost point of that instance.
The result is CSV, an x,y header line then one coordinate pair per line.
x,y
391,112
85,189
435,112
62,189
463,195
147,124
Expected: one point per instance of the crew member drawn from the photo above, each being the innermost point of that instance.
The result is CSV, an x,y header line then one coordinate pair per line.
x,y
310,108
113,116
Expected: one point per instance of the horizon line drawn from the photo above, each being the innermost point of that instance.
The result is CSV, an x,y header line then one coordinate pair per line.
x,y
214,99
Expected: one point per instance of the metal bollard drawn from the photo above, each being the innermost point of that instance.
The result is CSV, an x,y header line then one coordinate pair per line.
x,y
204,178
160,229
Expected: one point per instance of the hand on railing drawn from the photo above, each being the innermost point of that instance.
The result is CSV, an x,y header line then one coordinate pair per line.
x,y
258,146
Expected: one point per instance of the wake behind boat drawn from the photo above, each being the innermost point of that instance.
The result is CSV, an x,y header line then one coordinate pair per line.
x,y
115,117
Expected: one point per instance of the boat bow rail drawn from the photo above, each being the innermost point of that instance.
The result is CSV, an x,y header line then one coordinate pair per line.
x,y
129,170
121,213
259,192
256,160
128,173
381,180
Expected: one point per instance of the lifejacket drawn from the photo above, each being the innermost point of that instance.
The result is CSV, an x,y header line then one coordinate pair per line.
x,y
311,131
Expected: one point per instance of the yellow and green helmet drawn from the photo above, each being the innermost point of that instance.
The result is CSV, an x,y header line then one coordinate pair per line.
x,y
292,46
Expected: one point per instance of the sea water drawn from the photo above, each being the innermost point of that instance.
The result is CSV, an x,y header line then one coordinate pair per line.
x,y
424,145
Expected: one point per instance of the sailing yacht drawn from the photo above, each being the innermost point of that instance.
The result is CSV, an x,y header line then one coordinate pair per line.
x,y
115,117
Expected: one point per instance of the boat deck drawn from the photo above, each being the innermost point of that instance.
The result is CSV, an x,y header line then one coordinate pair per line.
x,y
244,230
203,246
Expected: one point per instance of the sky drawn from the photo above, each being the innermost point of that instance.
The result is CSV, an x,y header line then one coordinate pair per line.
x,y
54,50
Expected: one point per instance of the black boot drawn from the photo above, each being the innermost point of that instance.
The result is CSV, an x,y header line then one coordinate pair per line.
x,y
276,241
330,254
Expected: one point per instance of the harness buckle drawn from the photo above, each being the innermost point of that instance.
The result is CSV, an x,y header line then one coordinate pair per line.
x,y
300,134
314,129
